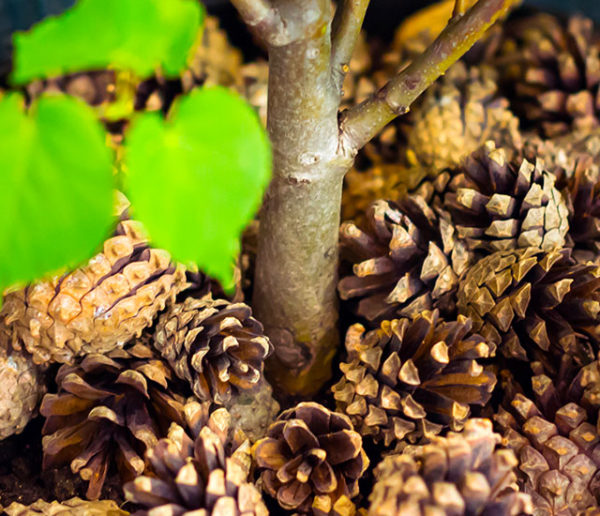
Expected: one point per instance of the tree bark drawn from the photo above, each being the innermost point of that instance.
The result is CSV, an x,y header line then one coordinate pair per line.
x,y
296,266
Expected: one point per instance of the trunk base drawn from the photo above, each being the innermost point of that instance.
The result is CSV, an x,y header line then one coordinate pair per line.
x,y
315,358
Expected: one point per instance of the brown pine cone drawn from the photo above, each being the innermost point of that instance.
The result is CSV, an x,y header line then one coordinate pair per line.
x,y
216,61
201,468
413,378
562,154
95,88
109,408
583,201
406,260
551,68
457,115
497,204
311,460
460,474
555,436
534,305
255,80
22,386
379,181
71,507
215,345
98,307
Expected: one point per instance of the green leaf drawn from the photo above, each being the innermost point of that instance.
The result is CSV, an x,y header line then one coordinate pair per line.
x,y
56,186
136,35
197,179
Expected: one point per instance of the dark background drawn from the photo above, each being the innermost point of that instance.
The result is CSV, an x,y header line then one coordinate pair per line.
x,y
382,17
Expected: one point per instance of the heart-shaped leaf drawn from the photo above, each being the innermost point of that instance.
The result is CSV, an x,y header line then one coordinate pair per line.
x,y
196,179
56,186
137,35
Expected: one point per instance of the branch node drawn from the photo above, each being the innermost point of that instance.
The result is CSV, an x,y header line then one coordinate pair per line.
x,y
263,19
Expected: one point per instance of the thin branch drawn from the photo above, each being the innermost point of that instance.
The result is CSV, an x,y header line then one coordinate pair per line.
x,y
460,6
361,123
346,26
263,19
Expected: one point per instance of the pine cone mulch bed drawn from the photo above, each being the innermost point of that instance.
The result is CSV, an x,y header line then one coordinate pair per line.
x,y
468,382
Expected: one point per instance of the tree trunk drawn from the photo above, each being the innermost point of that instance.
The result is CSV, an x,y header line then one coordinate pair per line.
x,y
295,279
296,266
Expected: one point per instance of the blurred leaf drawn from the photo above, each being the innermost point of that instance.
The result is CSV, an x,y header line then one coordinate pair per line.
x,y
56,186
136,35
197,179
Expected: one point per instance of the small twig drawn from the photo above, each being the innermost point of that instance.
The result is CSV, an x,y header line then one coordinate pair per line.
x,y
460,6
346,26
361,123
263,19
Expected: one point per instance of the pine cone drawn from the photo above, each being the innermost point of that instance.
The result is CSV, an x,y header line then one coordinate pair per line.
x,y
498,205
361,188
551,68
98,307
413,378
215,345
311,460
534,305
215,61
22,386
457,115
555,435
109,407
200,469
406,260
72,507
460,474
255,78
583,201
95,88
561,155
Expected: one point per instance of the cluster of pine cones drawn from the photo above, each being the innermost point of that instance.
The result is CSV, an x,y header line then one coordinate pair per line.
x,y
470,286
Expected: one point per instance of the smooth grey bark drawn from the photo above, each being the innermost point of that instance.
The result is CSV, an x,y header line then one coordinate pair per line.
x,y
296,266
